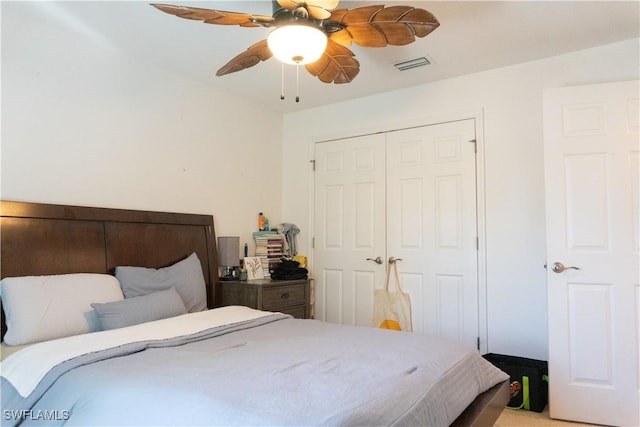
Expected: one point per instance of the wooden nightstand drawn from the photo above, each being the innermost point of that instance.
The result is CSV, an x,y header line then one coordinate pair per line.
x,y
286,296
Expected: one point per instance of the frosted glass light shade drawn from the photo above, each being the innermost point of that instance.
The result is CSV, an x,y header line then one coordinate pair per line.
x,y
297,44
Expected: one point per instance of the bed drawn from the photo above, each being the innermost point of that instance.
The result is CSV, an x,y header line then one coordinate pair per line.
x,y
161,357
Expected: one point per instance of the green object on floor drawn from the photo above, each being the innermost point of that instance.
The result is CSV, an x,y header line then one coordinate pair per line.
x,y
526,403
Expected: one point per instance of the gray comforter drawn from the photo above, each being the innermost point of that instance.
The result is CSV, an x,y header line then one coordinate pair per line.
x,y
274,370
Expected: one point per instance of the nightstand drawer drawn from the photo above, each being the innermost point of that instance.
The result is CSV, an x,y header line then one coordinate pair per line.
x,y
286,296
282,296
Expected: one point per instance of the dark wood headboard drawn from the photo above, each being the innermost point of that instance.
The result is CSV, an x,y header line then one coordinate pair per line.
x,y
41,239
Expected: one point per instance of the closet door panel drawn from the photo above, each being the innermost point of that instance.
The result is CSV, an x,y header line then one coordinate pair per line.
x,y
349,227
431,225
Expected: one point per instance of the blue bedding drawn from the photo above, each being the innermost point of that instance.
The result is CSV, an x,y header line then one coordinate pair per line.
x,y
272,371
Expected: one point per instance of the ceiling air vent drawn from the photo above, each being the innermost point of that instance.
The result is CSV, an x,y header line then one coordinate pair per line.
x,y
412,63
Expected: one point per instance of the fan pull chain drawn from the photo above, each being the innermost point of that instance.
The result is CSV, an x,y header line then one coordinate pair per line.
x,y
282,82
297,82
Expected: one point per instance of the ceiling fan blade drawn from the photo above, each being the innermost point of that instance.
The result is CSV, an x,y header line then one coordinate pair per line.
x,y
379,26
289,4
219,17
318,9
336,65
318,12
325,4
250,57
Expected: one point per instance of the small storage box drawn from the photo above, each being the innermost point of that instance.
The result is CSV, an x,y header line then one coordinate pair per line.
x,y
529,380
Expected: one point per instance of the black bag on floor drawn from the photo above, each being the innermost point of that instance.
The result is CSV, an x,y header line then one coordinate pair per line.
x,y
529,380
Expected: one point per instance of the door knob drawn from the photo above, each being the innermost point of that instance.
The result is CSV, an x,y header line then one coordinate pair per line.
x,y
559,267
392,260
377,260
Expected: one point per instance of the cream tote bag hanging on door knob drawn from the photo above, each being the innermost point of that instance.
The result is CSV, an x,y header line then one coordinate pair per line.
x,y
392,309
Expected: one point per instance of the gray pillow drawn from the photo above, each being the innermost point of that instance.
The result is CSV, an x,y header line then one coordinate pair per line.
x,y
145,308
186,276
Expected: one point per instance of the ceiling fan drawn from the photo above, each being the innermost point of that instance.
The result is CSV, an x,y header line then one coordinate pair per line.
x,y
312,33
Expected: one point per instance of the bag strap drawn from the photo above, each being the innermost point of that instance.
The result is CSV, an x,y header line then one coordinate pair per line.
x,y
386,282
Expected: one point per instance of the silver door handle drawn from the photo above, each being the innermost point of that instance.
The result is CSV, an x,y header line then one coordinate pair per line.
x,y
559,267
392,260
377,260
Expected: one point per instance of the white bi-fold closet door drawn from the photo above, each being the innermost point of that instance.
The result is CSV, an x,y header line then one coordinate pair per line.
x,y
408,194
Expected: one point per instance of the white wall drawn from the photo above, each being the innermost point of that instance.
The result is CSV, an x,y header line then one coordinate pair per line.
x,y
511,101
82,124
85,125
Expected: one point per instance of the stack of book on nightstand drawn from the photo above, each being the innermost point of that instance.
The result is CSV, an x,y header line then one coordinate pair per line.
x,y
269,247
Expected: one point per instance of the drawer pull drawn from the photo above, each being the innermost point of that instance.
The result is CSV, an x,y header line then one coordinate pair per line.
x,y
284,296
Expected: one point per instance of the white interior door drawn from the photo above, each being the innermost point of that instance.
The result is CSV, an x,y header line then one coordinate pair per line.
x,y
592,158
349,228
432,227
409,194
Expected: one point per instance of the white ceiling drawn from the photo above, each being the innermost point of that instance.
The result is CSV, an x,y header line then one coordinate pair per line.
x,y
473,36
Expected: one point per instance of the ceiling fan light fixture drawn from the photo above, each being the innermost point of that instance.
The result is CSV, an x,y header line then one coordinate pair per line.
x,y
297,43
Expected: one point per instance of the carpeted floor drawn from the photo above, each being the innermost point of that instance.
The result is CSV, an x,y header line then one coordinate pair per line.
x,y
519,418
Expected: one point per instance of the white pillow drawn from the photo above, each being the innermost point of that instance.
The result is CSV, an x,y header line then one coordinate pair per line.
x,y
40,308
